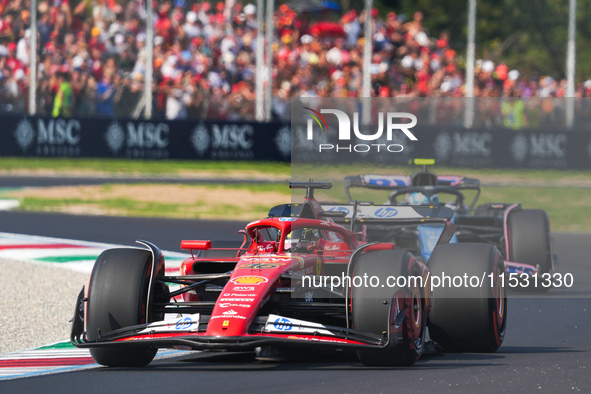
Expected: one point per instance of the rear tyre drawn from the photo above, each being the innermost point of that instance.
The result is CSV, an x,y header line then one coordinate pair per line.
x,y
468,318
371,307
529,236
117,298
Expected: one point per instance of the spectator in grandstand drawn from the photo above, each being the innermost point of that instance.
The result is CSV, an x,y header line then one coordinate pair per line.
x,y
45,95
513,110
105,95
177,99
43,28
86,97
192,27
22,48
12,62
12,92
280,101
214,47
63,103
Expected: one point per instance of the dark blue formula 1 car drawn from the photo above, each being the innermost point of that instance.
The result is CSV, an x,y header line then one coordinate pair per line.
x,y
523,235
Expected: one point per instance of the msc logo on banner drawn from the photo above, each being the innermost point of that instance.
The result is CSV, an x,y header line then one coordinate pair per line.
x,y
51,137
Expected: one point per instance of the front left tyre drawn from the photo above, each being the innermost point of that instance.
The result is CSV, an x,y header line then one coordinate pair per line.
x,y
529,240
372,306
468,315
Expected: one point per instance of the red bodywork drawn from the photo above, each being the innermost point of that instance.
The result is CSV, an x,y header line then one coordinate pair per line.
x,y
259,268
269,263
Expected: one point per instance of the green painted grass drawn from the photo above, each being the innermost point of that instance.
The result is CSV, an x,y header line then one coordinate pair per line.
x,y
66,259
59,345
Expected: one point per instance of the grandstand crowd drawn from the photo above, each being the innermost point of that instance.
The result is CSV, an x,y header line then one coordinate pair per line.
x,y
92,59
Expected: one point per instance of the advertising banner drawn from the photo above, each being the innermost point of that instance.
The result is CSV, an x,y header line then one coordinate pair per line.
x,y
451,145
143,139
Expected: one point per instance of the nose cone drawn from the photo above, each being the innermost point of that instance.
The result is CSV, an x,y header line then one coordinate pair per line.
x,y
251,284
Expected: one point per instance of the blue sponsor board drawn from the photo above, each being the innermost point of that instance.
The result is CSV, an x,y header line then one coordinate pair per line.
x,y
39,136
36,136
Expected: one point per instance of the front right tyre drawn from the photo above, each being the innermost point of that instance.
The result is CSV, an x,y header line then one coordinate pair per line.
x,y
118,297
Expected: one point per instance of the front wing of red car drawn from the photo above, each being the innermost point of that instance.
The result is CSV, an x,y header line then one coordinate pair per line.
x,y
188,333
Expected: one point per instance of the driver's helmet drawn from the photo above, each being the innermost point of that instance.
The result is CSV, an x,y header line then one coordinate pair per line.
x,y
291,241
418,198
301,239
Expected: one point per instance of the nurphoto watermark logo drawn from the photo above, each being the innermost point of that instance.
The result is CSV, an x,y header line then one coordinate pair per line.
x,y
388,123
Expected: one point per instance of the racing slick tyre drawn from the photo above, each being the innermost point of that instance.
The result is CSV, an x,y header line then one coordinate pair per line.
x,y
529,240
117,298
470,316
371,306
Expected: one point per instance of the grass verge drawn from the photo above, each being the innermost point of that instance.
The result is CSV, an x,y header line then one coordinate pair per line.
x,y
563,194
276,171
569,209
143,168
236,202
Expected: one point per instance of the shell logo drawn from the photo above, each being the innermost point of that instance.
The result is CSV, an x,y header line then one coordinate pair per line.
x,y
249,280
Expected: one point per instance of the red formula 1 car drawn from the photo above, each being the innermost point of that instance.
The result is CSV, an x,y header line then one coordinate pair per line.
x,y
297,281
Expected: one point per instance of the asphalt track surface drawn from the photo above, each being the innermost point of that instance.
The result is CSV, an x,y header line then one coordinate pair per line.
x,y
547,348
